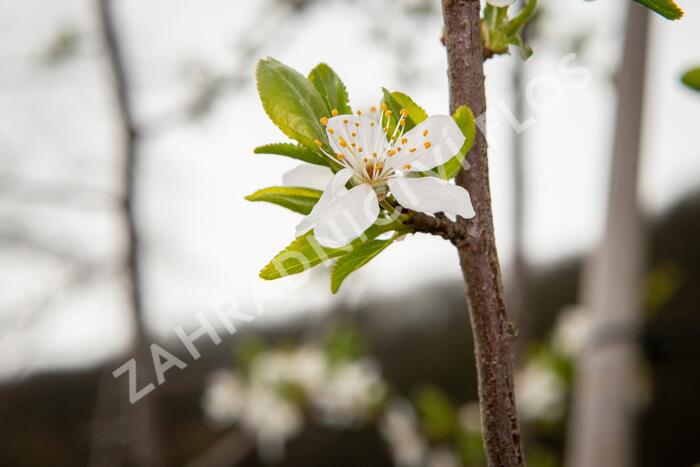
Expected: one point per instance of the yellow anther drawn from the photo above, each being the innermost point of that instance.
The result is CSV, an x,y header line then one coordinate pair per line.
x,y
378,167
318,143
340,156
357,124
353,134
398,148
384,107
360,149
386,129
331,130
353,145
359,112
390,152
412,150
427,144
371,124
404,140
425,132
387,113
404,112
343,143
324,121
334,112
373,109
346,121
374,154
402,122
406,166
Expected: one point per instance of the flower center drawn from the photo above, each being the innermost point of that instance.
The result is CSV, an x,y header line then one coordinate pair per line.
x,y
362,143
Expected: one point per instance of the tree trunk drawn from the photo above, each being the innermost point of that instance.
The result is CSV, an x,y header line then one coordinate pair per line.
x,y
145,443
602,426
493,333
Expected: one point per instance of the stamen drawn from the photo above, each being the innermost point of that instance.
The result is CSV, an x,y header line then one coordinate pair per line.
x,y
407,166
412,150
340,156
390,152
342,143
404,113
373,109
359,112
346,121
335,112
357,124
384,107
318,143
353,134
402,122
404,140
425,132
331,131
324,121
427,144
353,145
387,113
359,149
374,154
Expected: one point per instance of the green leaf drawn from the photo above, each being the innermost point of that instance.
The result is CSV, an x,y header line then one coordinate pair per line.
x,y
466,122
298,199
691,78
305,252
396,101
291,102
437,413
355,260
666,8
294,151
331,88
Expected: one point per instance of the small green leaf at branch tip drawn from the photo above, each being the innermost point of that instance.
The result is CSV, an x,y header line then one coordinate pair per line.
x,y
291,101
666,8
691,78
331,89
295,151
355,260
297,199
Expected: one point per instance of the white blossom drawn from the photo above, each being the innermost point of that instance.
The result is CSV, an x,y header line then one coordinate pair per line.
x,y
272,419
304,367
374,163
470,417
399,428
224,397
350,392
540,392
572,331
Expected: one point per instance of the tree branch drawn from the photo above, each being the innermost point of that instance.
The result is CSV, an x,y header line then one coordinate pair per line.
x,y
493,333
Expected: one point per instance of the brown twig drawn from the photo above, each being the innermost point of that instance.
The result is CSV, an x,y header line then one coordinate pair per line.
x,y
493,333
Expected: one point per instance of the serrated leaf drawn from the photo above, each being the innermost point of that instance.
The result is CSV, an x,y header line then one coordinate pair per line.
x,y
666,8
355,260
691,78
291,102
415,113
331,89
466,122
297,199
305,252
295,151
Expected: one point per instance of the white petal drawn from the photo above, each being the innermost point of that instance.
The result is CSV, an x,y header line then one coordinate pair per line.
x,y
500,2
442,137
346,218
308,175
431,195
334,189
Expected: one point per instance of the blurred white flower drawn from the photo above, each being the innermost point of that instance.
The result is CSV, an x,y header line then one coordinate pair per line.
x,y
540,393
572,331
304,367
350,392
399,428
272,419
443,457
470,417
224,397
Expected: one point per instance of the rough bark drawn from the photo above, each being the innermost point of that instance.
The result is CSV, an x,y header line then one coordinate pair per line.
x,y
144,437
606,394
493,333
